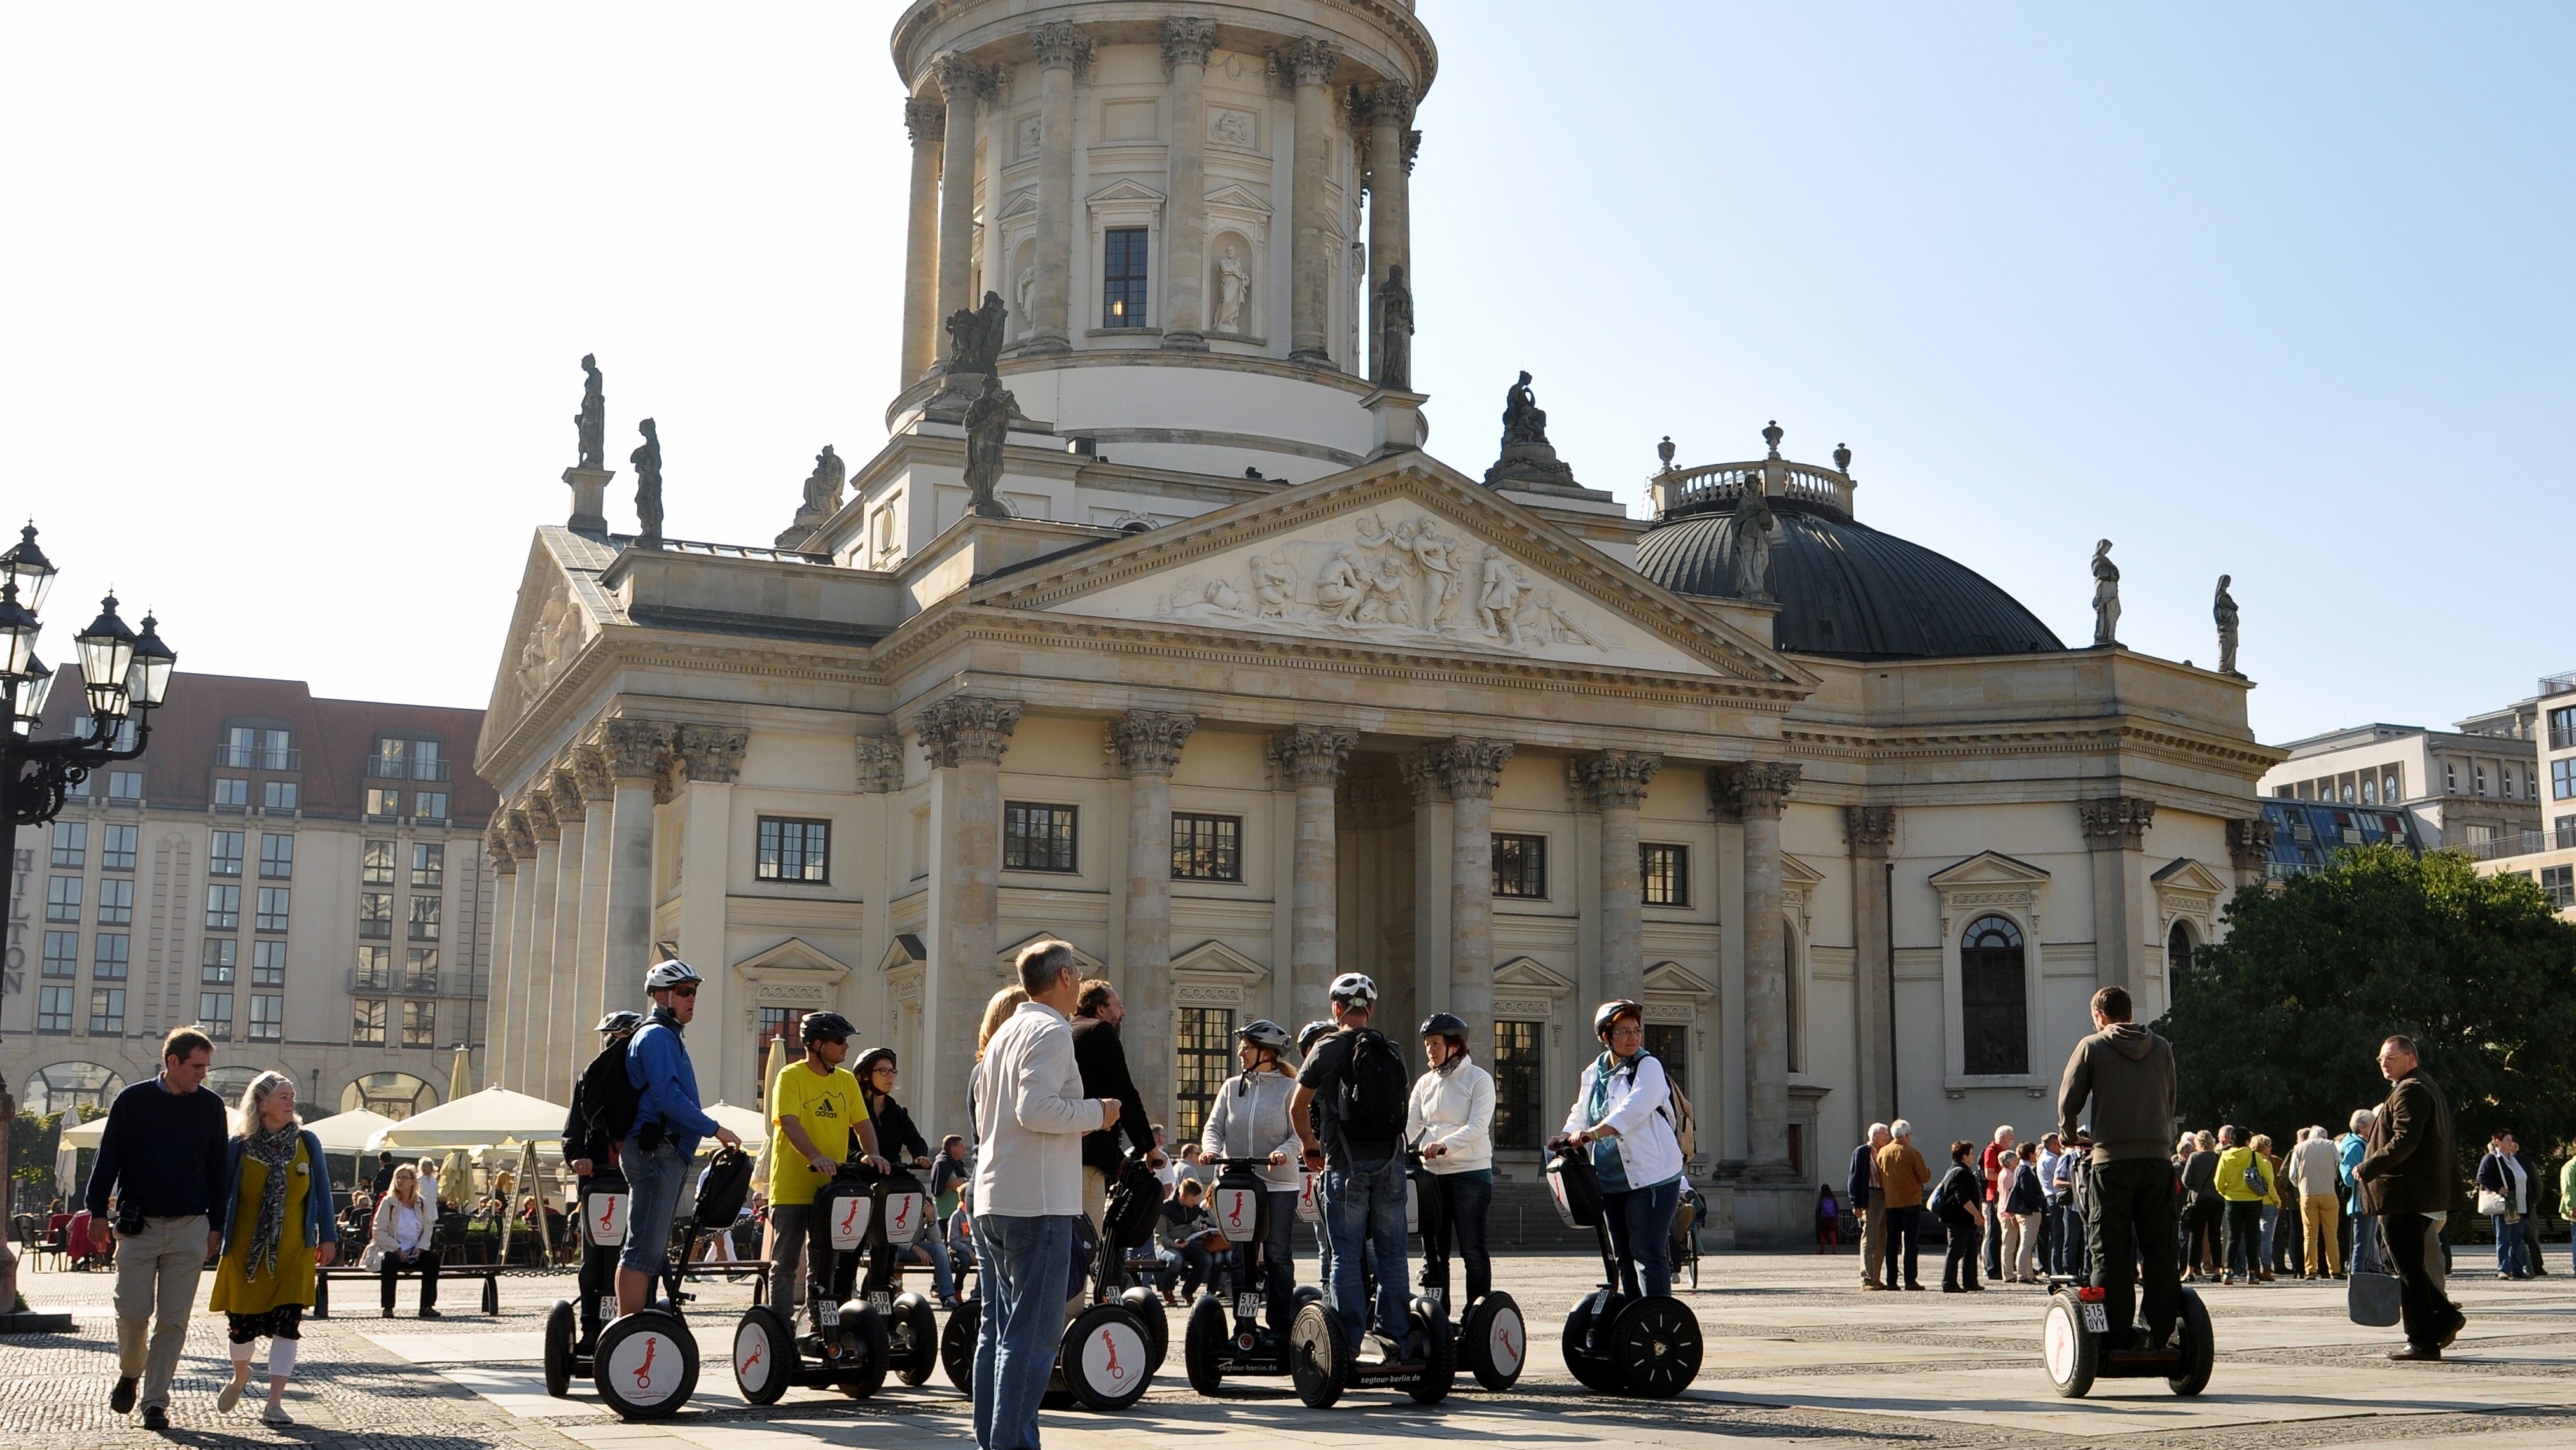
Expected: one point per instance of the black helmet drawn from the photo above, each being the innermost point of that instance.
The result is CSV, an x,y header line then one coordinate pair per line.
x,y
1262,1032
1444,1024
1308,1035
828,1027
1612,1011
620,1022
868,1061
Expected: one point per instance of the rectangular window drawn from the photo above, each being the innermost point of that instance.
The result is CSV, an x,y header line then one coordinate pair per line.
x,y
216,964
268,964
1520,865
375,970
1037,838
1520,1114
267,1018
215,1014
53,1009
428,866
224,854
116,901
279,795
230,791
111,955
1206,1061
794,850
2560,883
420,1024
273,901
117,846
1122,278
383,804
71,844
367,1022
276,856
376,864
2562,729
420,970
1670,1043
1663,874
424,918
62,954
2562,779
375,914
775,1024
223,908
125,785
106,1011
1207,848
429,805
425,764
63,897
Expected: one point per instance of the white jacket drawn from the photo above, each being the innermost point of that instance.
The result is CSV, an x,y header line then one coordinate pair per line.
x,y
1454,1109
1030,1116
1249,1119
1649,1154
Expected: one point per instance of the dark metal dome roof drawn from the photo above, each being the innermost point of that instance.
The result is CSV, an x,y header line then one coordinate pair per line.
x,y
1846,589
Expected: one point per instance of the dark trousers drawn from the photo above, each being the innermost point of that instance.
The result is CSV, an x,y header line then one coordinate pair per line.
x,y
1641,1236
2129,1228
1994,1233
2244,1239
2202,1216
2429,1312
1904,1243
427,1262
1466,1204
1959,1268
2047,1240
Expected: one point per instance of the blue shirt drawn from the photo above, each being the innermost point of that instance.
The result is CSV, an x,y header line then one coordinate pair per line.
x,y
657,1065
2348,1155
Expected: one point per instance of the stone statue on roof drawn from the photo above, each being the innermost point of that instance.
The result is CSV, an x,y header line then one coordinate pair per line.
x,y
2223,608
1394,352
988,426
647,459
823,487
2106,598
1757,528
1528,460
592,420
975,336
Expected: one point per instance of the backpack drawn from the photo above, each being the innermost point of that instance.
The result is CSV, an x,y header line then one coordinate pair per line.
x,y
1375,1090
1936,1203
608,1100
1685,1122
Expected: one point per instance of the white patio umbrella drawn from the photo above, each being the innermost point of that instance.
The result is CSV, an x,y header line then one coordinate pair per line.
x,y
87,1135
476,1120
750,1126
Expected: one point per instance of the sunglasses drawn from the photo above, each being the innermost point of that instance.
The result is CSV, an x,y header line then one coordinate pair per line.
x,y
684,991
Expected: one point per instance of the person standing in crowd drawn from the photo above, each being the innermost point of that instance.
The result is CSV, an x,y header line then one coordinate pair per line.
x,y
2539,1183
2362,1226
900,1141
1103,1059
384,1174
817,1110
2406,1182
1249,1119
1870,1202
2126,1074
2067,1238
2567,1206
162,1157
400,1234
1903,1176
2243,1184
278,1230
1450,1118
590,1144
2204,1209
668,1125
1623,1112
1360,1078
2026,1202
2312,1174
1990,1168
1962,1196
948,1175
2500,1173
1030,1113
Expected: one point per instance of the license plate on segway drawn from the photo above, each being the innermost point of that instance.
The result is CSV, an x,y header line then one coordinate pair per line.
x,y
2097,1319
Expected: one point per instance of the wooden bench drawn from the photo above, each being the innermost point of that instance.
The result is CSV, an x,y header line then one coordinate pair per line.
x,y
490,1274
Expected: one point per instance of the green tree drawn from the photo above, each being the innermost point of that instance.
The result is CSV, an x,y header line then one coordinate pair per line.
x,y
2278,1026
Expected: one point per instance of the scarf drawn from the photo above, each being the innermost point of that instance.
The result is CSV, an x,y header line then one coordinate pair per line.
x,y
1606,1161
274,1151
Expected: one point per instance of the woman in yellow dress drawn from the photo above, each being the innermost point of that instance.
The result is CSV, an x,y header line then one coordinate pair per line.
x,y
278,1228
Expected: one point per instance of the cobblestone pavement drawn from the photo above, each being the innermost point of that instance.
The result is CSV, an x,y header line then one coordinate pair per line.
x,y
1794,1352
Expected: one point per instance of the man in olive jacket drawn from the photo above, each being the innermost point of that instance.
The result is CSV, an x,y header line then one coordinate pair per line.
x,y
2408,1177
2124,1075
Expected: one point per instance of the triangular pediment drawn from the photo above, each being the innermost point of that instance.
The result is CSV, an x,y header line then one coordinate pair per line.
x,y
1674,980
794,959
1402,555
1530,974
1008,958
1796,874
1988,868
1124,189
2186,874
560,609
904,952
1237,197
1020,204
1213,962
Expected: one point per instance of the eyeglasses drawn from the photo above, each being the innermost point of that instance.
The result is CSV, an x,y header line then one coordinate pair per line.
x,y
684,991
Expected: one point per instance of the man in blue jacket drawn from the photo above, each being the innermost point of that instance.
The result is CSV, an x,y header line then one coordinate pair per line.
x,y
1870,1202
668,1125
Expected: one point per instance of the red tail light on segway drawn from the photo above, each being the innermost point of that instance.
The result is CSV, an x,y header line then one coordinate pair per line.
x,y
2092,1293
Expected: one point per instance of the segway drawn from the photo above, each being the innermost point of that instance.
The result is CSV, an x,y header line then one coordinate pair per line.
x,y
1107,1356
1323,1363
644,1364
1229,1335
2078,1321
1492,1340
572,1330
852,1339
1617,1344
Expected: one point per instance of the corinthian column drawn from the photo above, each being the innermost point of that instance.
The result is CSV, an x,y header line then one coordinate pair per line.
x,y
1470,768
553,1071
1753,792
1060,48
1871,830
537,912
1312,757
1390,120
961,83
1148,743
2115,830
705,761
1310,64
525,971
1186,43
496,991
637,756
963,737
927,120
1616,781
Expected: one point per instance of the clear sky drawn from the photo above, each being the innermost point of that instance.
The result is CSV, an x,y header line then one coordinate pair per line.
x,y
292,299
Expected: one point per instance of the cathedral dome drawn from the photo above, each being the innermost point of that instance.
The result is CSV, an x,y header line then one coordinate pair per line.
x,y
1844,588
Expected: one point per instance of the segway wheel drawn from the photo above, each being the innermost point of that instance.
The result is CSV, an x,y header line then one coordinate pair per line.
x,y
921,1331
1590,1367
2199,1348
1203,1345
1147,1306
865,1350
1655,1347
957,1345
647,1365
1106,1358
1318,1360
563,1331
1306,1294
1439,1351
764,1354
2072,1354
1494,1342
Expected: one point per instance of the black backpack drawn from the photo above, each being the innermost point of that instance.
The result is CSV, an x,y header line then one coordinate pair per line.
x,y
608,1100
1375,1090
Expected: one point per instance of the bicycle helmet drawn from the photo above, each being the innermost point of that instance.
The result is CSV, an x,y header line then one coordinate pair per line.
x,y
1353,987
1612,1011
868,1061
1310,1034
1262,1032
620,1022
670,974
828,1027
1444,1024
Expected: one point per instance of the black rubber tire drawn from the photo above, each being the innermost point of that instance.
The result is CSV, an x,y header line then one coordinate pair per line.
x,y
619,1366
1306,1294
1318,1362
1203,1342
764,1355
1099,1358
2199,1347
2069,1354
1592,1371
1147,1306
1655,1347
914,1364
1439,1351
957,1344
863,1336
563,1331
1494,1342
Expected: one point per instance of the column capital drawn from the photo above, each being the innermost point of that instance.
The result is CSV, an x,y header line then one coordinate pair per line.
x,y
523,841
1471,766
1187,39
496,849
1148,742
636,750
926,118
1388,103
2249,843
537,810
1060,45
588,765
1421,771
1871,830
1753,789
1307,62
2116,823
1614,779
967,729
563,793
880,764
961,79
711,753
1312,754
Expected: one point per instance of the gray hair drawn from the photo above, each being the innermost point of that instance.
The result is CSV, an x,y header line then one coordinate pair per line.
x,y
1900,1129
1041,964
253,1097
1877,1128
2361,1120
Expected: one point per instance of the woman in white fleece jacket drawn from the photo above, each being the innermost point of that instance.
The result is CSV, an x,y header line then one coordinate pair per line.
x,y
1450,1117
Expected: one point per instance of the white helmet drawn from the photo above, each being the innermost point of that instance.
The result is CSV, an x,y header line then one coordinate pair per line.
x,y
1353,987
669,974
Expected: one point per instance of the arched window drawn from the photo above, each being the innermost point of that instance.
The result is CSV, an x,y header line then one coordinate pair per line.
x,y
395,1095
1994,999
68,1085
2177,951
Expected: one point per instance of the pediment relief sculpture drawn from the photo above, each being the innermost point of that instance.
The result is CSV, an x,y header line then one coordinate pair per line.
x,y
552,638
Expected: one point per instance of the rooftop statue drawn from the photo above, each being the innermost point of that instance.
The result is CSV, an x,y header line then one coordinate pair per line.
x,y
1393,353
1757,528
2223,608
2106,597
823,486
647,459
975,336
1529,460
592,420
988,424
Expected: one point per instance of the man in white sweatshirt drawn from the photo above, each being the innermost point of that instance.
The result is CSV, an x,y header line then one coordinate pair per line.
x,y
1030,1116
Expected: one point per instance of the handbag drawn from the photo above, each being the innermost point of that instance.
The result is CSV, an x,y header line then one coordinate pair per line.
x,y
2371,1295
2492,1203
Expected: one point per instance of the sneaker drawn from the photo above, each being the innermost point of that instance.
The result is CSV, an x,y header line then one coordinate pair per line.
x,y
156,1417
121,1398
275,1414
430,1311
2417,1352
227,1397
1917,1288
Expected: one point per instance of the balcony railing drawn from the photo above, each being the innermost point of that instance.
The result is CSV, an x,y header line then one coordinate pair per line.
x,y
380,768
1713,487
2521,843
395,982
253,757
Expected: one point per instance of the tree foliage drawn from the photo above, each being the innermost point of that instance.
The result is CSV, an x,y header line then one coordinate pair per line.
x,y
2278,1026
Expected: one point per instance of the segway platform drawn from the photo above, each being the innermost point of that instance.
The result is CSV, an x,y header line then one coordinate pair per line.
x,y
1231,1336
2077,1323
1107,1357
1493,1342
1615,1343
855,1341
1323,1364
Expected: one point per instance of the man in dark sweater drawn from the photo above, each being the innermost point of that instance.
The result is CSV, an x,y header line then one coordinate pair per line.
x,y
1103,1060
162,1158
2125,1074
2407,1176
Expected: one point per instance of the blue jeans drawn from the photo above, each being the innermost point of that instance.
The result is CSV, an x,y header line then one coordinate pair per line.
x,y
1641,1234
2510,1258
654,1181
943,1281
1186,1269
2263,1253
1364,1213
2365,1243
1024,1263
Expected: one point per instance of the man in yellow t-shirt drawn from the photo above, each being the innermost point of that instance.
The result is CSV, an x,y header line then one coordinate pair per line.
x,y
815,1108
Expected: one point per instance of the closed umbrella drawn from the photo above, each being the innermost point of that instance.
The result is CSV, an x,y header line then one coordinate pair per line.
x,y
768,1153
460,1074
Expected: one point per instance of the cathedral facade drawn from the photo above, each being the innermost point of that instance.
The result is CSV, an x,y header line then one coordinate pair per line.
x,y
1152,628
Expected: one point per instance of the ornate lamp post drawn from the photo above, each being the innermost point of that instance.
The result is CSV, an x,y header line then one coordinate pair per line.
x,y
124,676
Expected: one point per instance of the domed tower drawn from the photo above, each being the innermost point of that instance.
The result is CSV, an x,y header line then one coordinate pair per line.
x,y
1167,200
